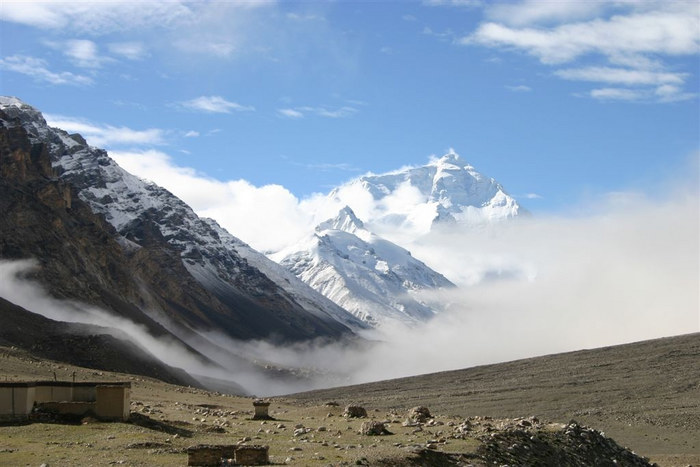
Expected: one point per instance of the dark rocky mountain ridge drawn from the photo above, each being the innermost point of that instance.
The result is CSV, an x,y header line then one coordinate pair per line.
x,y
164,268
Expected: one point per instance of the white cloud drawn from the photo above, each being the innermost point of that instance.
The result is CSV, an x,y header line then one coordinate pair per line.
x,y
214,104
191,134
454,3
657,32
326,112
622,274
37,69
290,113
618,94
532,196
537,11
106,136
340,112
621,76
83,53
635,39
128,50
267,217
519,88
663,93
95,17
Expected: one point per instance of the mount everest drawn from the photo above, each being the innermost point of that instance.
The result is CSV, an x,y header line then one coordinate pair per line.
x,y
368,275
415,200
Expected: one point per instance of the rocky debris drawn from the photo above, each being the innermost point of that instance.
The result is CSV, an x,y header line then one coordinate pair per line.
x,y
374,428
417,415
528,442
354,411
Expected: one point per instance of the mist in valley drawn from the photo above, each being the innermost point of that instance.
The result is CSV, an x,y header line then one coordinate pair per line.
x,y
624,271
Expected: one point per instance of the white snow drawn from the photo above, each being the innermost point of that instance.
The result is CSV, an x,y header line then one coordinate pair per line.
x,y
372,278
410,202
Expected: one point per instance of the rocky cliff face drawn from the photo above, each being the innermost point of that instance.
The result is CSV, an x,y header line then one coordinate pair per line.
x,y
107,238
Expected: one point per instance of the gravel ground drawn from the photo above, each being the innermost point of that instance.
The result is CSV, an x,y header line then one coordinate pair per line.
x,y
644,395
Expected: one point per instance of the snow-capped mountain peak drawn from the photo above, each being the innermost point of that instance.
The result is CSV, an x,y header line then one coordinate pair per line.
x,y
414,200
373,278
346,220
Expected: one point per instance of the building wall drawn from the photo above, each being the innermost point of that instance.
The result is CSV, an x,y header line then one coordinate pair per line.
x,y
110,401
16,401
113,402
84,394
48,393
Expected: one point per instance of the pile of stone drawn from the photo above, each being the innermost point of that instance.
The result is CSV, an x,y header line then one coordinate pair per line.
x,y
374,428
354,411
527,442
417,416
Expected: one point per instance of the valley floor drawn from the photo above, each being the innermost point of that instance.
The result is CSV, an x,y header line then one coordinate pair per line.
x,y
645,396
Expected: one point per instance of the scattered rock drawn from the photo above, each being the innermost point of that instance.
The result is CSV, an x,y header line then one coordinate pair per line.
x,y
373,428
354,411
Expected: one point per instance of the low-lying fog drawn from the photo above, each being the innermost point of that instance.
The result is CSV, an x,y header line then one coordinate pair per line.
x,y
628,271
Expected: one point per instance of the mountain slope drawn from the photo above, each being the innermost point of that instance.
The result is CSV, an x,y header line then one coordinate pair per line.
x,y
82,345
153,260
643,394
372,278
445,191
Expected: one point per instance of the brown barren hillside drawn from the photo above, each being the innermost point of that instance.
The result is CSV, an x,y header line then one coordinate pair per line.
x,y
645,395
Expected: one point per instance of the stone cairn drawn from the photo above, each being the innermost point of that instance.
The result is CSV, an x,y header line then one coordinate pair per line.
x,y
261,410
417,416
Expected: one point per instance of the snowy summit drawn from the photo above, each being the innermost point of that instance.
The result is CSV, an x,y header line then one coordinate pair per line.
x,y
416,199
372,278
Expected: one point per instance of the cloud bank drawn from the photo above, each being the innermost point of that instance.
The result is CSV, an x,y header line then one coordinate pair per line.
x,y
632,42
627,270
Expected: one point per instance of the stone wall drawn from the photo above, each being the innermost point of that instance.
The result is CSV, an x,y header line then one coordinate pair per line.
x,y
67,408
252,455
209,454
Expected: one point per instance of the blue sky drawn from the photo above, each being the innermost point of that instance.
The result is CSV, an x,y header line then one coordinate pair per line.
x,y
558,101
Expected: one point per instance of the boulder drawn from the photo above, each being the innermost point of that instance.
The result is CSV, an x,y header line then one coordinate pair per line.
x,y
354,411
373,428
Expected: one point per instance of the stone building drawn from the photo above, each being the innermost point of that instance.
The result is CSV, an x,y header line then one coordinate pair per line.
x,y
109,401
